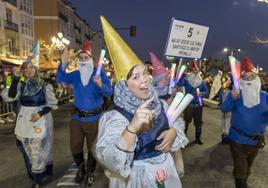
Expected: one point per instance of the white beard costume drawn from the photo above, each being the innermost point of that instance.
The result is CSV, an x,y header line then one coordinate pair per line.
x,y
86,69
195,80
250,92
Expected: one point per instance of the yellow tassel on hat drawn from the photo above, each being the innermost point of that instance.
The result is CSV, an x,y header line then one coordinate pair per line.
x,y
123,58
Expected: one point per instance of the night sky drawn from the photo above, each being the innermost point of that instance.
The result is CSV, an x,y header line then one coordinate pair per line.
x,y
232,24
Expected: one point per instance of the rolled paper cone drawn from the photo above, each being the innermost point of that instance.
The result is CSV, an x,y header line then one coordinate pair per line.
x,y
232,61
177,73
238,69
184,103
172,75
176,101
180,62
199,98
183,68
103,51
178,69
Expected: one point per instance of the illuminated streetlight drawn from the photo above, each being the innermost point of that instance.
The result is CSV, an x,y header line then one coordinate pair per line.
x,y
105,61
225,50
59,41
205,59
60,35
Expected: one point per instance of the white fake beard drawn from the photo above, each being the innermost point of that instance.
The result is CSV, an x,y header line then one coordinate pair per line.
x,y
251,93
86,69
195,80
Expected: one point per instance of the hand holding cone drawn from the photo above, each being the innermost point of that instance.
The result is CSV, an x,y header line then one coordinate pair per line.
x,y
65,57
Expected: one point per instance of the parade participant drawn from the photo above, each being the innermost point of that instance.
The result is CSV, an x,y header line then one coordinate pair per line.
x,y
89,90
248,122
192,84
160,84
16,72
135,139
34,126
226,116
160,77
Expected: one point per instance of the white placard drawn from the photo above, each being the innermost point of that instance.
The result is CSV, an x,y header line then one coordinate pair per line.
x,y
186,39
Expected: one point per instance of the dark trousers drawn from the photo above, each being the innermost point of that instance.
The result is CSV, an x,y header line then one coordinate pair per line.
x,y
196,114
243,156
78,132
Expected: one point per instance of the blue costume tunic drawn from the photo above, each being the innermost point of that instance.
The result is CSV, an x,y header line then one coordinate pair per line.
x,y
251,121
189,89
87,97
39,99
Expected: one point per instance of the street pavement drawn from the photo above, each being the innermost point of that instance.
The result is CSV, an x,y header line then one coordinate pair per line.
x,y
206,166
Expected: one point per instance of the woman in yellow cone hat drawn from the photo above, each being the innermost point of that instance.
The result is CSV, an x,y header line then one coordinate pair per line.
x,y
135,139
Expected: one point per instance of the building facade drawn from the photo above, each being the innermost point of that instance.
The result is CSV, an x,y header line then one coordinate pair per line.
x,y
24,21
16,30
9,31
26,29
58,16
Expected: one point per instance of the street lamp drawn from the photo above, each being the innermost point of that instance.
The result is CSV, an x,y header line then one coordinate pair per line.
x,y
59,41
105,61
225,50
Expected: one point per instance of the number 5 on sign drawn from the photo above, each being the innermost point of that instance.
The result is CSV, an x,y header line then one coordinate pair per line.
x,y
190,32
186,39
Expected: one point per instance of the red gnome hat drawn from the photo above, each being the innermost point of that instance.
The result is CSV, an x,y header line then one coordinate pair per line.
x,y
158,68
87,48
248,66
194,66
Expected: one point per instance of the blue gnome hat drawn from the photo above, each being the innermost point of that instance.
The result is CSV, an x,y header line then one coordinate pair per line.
x,y
33,57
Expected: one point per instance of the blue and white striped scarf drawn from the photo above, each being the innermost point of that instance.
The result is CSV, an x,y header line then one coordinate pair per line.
x,y
125,99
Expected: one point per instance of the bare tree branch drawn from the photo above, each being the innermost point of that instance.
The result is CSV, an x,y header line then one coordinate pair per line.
x,y
258,40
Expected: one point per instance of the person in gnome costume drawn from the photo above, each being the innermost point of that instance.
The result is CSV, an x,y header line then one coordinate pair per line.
x,y
226,87
194,85
34,126
249,108
135,138
160,77
89,91
160,83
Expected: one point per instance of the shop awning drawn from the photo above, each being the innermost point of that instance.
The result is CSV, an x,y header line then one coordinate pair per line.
x,y
11,61
44,66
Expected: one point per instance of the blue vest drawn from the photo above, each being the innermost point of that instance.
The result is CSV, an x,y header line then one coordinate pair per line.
x,y
147,142
38,99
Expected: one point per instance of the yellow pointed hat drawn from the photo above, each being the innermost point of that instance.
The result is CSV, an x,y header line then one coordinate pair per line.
x,y
123,58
